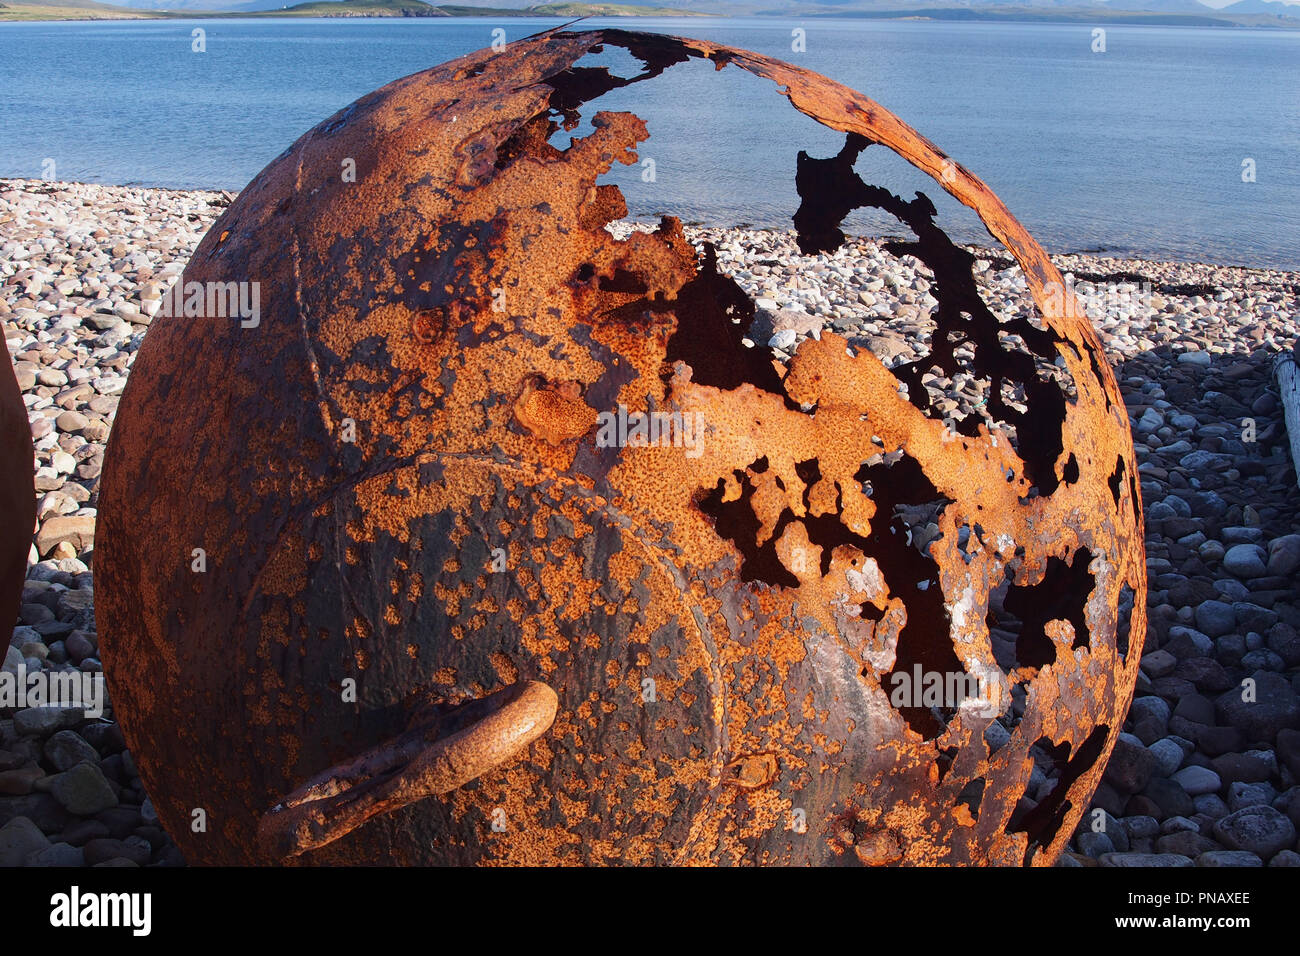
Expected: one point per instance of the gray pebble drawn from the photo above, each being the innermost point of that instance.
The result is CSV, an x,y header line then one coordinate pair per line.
x,y
19,838
1145,860
1198,780
1169,757
1228,858
83,790
1259,830
66,749
57,855
1245,561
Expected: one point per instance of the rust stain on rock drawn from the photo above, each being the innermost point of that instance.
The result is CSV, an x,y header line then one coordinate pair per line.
x,y
397,481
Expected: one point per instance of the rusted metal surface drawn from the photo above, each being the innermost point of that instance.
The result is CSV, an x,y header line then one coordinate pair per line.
x,y
400,482
448,751
17,491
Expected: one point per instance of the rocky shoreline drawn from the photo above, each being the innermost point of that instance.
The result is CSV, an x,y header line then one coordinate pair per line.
x,y
1197,779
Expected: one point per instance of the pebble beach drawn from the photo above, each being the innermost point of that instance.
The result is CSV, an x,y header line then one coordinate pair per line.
x,y
1197,779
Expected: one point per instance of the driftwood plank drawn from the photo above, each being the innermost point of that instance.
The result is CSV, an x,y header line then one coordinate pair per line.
x,y
1287,372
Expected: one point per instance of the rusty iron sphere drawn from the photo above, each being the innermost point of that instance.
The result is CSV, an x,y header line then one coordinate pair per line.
x,y
17,492
381,581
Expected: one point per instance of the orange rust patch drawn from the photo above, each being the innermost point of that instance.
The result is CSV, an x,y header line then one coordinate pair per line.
x,y
554,412
761,591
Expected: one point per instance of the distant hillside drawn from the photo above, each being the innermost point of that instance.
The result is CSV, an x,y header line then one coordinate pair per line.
x,y
353,8
380,8
607,10
69,5
1025,14
150,9
1262,6
1075,13
1254,13
67,10
1165,6
190,6
418,8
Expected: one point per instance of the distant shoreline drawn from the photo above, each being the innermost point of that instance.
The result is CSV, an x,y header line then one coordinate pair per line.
x,y
1089,260
1069,15
340,10
416,9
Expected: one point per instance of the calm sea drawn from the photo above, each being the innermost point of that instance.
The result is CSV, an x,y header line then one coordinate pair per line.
x,y
1138,149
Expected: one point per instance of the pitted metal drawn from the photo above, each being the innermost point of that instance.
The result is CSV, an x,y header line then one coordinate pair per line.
x,y
406,498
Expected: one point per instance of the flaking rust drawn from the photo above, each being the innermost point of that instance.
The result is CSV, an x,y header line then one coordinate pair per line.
x,y
412,529
17,491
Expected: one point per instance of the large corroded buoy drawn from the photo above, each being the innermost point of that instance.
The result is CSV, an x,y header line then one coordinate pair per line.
x,y
438,525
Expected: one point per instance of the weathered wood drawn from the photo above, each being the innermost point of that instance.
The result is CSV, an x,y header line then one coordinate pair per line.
x,y
1287,372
